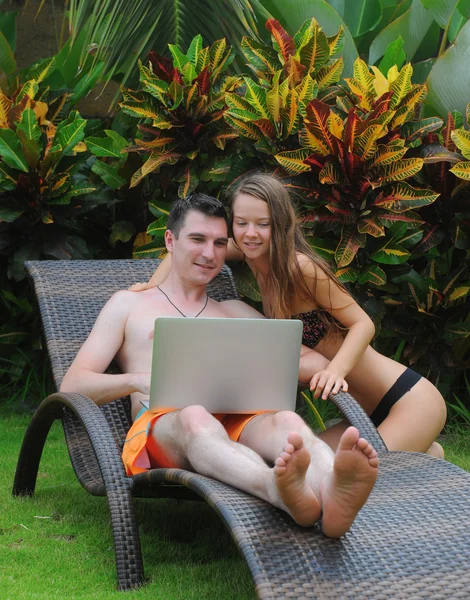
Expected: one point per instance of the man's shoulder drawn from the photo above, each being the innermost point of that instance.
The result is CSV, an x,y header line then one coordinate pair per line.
x,y
122,301
239,309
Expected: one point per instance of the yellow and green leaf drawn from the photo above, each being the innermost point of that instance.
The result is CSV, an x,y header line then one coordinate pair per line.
x,y
403,197
373,274
317,122
331,174
461,138
316,51
402,169
194,48
371,225
351,241
365,144
461,170
387,154
293,161
401,86
329,74
256,96
245,128
310,140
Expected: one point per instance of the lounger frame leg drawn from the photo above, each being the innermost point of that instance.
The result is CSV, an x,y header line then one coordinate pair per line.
x,y
129,566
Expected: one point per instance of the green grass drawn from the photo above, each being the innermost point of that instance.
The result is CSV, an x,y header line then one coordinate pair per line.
x,y
69,554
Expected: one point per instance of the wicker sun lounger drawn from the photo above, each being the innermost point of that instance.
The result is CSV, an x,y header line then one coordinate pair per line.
x,y
411,540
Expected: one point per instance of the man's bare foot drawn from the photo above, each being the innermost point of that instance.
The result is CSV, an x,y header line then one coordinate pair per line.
x,y
351,481
289,475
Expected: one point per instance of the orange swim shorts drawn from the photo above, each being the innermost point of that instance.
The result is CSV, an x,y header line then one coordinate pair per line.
x,y
141,450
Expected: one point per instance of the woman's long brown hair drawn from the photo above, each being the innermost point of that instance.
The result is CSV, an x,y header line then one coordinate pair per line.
x,y
285,279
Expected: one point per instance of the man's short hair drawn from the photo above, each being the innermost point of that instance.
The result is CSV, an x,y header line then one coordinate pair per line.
x,y
207,205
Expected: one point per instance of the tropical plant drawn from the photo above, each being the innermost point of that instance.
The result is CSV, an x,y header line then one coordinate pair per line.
x,y
42,181
290,73
430,313
124,31
357,151
182,134
63,79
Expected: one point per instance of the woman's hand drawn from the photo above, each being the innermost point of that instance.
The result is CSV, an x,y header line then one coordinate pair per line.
x,y
140,287
326,381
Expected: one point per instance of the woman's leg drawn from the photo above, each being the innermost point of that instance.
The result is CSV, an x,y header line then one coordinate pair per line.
x,y
413,423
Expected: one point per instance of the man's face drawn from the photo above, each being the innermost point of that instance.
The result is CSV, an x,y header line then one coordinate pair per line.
x,y
198,253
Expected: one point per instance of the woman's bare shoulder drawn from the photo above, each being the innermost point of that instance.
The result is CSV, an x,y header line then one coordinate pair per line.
x,y
309,269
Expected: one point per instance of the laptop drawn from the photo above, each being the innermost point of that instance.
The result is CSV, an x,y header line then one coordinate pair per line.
x,y
225,365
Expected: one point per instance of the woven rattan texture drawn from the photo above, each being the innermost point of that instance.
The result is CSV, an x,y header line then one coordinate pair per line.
x,y
411,540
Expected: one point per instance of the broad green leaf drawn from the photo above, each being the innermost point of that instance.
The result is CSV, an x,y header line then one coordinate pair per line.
x,y
151,250
180,60
7,58
441,10
412,26
69,133
433,153
372,274
448,83
157,209
391,254
158,228
394,55
29,133
8,214
109,174
105,146
121,231
347,274
413,130
11,151
360,16
194,48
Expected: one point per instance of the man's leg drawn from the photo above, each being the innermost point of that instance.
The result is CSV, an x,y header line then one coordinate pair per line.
x,y
342,482
193,439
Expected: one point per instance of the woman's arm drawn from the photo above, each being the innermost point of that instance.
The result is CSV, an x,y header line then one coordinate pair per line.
x,y
163,269
344,309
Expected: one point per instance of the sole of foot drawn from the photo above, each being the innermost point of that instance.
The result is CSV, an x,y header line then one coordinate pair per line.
x,y
346,490
295,494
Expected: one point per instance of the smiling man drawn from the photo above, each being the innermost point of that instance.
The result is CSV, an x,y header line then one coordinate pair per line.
x,y
273,455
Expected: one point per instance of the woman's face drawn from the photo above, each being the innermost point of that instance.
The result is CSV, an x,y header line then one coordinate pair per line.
x,y
251,225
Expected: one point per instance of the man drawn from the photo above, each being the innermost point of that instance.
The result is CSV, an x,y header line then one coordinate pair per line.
x,y
306,480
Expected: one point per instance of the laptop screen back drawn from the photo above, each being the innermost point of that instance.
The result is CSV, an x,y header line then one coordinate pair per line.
x,y
225,365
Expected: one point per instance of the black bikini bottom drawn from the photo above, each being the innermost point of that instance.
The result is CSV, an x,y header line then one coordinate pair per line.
x,y
402,385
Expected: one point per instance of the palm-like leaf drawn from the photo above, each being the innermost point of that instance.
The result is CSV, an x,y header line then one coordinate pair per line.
x,y
125,30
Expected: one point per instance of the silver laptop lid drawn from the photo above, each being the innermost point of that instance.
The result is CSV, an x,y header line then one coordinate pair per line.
x,y
225,365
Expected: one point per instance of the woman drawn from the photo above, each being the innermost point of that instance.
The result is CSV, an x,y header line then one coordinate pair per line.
x,y
407,409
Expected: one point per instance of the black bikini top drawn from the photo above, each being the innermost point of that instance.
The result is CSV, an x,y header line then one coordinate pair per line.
x,y
314,328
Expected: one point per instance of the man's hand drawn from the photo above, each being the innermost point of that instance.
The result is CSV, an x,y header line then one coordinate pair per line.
x,y
324,382
141,382
140,287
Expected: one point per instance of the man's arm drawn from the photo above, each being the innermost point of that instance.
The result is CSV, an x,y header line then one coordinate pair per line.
x,y
86,373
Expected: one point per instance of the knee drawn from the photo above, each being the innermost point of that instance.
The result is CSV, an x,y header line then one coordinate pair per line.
x,y
194,420
289,421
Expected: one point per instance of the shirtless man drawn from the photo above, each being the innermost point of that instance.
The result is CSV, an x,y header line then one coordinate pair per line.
x,y
307,480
